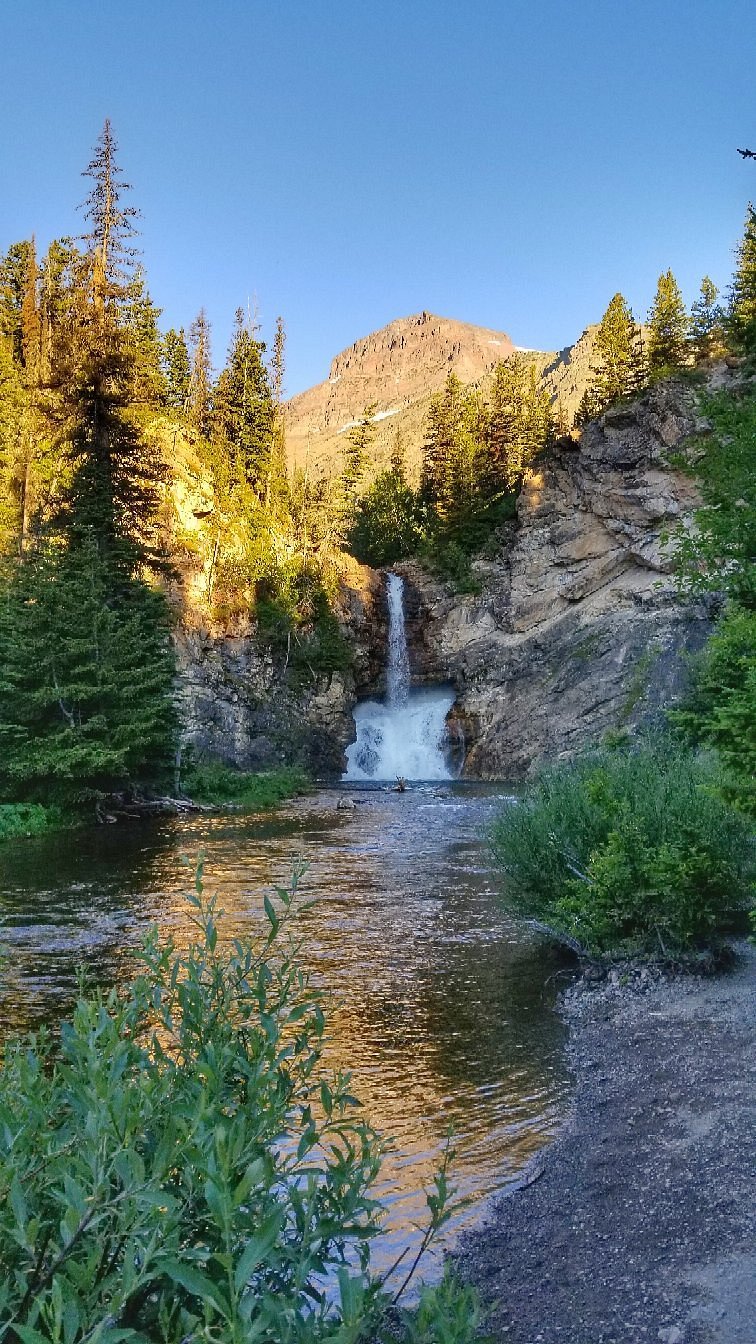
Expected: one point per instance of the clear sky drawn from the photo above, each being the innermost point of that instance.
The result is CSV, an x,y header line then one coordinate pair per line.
x,y
345,162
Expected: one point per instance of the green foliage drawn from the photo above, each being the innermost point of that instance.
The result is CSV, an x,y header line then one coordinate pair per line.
x,y
26,819
181,1165
447,1313
243,414
174,356
386,526
741,314
621,369
720,710
669,326
627,852
518,423
85,680
213,782
296,620
357,452
720,554
475,457
707,319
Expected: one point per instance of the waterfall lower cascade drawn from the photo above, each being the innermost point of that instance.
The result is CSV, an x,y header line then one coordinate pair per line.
x,y
405,737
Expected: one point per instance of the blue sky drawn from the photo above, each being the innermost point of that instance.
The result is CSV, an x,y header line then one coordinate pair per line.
x,y
347,162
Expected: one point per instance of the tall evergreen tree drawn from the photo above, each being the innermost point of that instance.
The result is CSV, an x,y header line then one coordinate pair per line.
x,y
85,681
201,378
244,411
357,452
669,325
85,659
176,368
741,315
520,422
109,250
140,324
707,323
620,368
277,484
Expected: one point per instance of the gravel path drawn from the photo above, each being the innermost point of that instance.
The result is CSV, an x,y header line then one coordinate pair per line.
x,y
639,1225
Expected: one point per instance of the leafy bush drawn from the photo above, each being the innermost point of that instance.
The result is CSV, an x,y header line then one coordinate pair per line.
x,y
721,708
217,783
181,1166
25,819
721,554
627,852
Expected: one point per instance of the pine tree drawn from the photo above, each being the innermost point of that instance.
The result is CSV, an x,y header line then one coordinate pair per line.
x,y
741,315
109,251
707,323
277,484
200,382
85,660
668,328
446,470
620,370
244,412
85,682
398,460
176,368
357,453
114,492
15,269
520,422
140,325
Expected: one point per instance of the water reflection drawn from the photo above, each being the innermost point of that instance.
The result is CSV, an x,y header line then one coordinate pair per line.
x,y
440,1008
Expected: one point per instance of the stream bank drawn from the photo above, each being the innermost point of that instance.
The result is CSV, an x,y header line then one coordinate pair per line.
x,y
639,1222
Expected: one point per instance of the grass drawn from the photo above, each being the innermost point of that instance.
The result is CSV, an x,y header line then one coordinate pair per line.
x,y
217,783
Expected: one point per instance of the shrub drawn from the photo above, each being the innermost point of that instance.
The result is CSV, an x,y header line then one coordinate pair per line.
x,y
180,1166
217,783
720,710
26,819
627,852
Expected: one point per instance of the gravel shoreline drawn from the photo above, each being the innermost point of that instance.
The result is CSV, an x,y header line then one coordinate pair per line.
x,y
638,1223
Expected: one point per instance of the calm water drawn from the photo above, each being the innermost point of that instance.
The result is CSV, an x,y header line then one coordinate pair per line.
x,y
443,1009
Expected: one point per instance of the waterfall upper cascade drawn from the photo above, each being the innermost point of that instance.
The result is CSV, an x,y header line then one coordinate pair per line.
x,y
405,737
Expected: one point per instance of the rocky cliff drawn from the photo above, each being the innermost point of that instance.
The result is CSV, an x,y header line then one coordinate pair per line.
x,y
241,704
578,627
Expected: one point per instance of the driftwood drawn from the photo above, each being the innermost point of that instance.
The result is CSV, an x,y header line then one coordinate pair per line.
x,y
115,807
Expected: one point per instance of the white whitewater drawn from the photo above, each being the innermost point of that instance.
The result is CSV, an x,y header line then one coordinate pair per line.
x,y
405,737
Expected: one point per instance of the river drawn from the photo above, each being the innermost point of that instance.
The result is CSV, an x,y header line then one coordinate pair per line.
x,y
442,1007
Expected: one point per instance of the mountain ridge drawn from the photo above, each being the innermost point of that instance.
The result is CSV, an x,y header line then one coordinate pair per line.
x,y
399,368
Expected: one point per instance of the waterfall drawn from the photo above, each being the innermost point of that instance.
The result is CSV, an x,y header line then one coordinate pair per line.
x,y
405,736
398,669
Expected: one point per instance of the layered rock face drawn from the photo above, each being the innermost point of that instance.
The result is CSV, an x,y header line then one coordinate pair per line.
x,y
578,627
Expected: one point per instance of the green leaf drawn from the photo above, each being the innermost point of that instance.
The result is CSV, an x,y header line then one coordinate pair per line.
x,y
271,913
257,1248
194,1281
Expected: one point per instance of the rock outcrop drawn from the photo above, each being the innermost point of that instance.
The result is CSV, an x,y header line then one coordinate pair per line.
x,y
240,704
578,627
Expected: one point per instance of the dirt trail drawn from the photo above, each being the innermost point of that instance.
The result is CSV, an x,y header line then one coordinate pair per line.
x,y
640,1225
